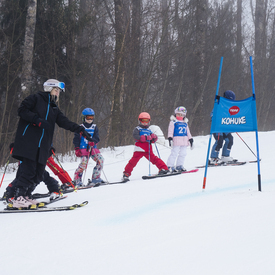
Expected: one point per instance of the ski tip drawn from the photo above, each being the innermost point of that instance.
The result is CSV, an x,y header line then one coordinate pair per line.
x,y
83,203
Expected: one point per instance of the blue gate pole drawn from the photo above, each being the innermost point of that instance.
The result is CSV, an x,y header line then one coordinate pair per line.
x,y
257,139
209,144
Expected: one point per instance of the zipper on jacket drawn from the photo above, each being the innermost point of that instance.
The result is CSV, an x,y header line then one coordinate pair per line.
x,y
45,119
26,129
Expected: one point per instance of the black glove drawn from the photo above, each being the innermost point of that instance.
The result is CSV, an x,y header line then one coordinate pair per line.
x,y
170,141
42,123
191,142
81,130
86,135
11,146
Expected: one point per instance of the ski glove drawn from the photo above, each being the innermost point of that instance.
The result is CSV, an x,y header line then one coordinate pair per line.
x,y
91,144
85,134
42,123
77,152
170,141
191,143
148,138
142,138
154,137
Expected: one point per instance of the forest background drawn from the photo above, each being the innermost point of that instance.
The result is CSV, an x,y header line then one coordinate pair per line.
x,y
122,57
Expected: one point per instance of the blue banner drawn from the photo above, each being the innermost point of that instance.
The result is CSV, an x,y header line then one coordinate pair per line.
x,y
234,116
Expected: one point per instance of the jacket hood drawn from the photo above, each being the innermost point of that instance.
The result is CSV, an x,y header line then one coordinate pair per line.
x,y
172,118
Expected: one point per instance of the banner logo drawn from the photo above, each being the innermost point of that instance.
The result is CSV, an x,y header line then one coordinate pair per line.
x,y
234,110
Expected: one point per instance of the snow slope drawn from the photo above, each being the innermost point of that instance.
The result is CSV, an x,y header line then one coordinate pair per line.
x,y
160,226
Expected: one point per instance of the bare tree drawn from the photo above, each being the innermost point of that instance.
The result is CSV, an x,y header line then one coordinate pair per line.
x,y
260,50
26,77
122,23
239,43
199,57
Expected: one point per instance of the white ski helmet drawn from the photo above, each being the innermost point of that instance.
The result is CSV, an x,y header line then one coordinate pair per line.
x,y
181,110
52,83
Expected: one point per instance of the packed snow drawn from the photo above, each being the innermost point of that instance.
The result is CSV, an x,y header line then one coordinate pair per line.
x,y
160,226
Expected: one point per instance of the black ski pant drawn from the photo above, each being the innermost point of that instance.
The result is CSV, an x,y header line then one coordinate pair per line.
x,y
52,184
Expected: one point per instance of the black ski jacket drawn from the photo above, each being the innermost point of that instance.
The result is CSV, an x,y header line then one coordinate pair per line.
x,y
31,141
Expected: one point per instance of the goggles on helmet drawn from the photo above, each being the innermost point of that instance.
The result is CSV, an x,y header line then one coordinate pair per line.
x,y
144,120
60,85
181,110
89,117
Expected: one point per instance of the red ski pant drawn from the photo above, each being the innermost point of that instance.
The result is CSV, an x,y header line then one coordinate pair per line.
x,y
58,171
138,155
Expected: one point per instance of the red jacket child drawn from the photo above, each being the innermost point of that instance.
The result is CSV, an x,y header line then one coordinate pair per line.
x,y
143,147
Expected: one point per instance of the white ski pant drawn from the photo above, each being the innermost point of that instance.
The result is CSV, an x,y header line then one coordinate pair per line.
x,y
177,153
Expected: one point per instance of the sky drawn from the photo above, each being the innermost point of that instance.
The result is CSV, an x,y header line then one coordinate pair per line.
x,y
160,226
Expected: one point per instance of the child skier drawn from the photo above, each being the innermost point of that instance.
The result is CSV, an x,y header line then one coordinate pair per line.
x,y
86,149
227,138
179,133
143,148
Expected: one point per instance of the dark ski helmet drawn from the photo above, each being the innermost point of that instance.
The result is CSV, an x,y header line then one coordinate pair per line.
x,y
229,95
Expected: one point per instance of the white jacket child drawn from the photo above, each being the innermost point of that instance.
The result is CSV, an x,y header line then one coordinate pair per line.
x,y
179,132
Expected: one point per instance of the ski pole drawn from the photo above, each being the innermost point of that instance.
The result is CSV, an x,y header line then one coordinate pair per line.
x,y
6,166
246,145
63,170
157,150
102,168
90,151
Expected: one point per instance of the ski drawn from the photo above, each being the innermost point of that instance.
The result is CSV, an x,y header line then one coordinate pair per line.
x,y
45,209
43,203
64,191
160,176
83,187
114,182
190,171
169,174
52,201
45,195
234,163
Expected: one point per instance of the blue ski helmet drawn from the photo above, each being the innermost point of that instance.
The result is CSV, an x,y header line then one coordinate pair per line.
x,y
229,95
87,112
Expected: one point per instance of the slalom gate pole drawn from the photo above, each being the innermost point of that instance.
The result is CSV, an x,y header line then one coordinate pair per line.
x,y
246,145
149,159
6,166
257,139
209,144
63,170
